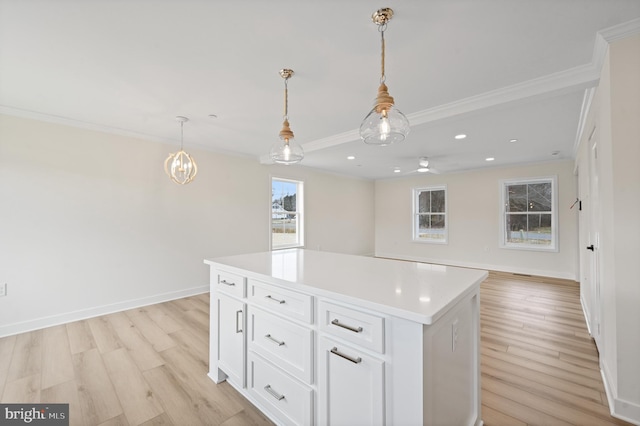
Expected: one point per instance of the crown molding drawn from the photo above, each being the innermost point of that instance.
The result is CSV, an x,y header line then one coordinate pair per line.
x,y
565,81
56,119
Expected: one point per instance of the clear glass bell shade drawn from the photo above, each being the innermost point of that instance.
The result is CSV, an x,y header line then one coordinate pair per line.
x,y
287,151
384,128
180,167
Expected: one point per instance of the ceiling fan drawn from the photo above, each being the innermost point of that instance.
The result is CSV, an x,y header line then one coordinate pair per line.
x,y
423,167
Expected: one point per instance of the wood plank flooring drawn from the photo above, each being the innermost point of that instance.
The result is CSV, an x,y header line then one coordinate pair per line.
x,y
148,366
539,364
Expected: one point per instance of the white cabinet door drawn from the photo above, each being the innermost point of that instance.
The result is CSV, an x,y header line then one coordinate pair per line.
x,y
350,386
231,338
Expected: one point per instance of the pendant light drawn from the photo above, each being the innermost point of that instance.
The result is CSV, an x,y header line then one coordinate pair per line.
x,y
180,166
287,151
385,124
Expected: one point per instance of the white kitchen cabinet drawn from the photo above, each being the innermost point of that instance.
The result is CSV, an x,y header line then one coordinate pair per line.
x,y
231,338
350,386
331,339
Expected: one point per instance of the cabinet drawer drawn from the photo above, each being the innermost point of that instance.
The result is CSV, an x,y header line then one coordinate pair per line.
x,y
285,302
287,345
290,400
361,328
229,283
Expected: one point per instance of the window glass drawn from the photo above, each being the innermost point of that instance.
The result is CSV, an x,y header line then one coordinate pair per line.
x,y
430,215
529,214
286,213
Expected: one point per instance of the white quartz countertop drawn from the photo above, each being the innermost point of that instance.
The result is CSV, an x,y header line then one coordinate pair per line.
x,y
419,292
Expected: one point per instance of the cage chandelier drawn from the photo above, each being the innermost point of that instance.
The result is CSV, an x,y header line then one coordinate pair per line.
x,y
180,166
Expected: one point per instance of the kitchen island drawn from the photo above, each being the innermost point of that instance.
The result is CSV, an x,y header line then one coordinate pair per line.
x,y
313,337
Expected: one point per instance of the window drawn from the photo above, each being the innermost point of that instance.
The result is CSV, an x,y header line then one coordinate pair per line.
x,y
286,214
430,215
529,219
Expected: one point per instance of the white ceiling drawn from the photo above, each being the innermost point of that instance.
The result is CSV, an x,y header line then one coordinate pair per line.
x,y
492,69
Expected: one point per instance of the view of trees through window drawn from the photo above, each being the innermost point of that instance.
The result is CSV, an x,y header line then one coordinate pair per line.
x,y
430,215
285,213
529,213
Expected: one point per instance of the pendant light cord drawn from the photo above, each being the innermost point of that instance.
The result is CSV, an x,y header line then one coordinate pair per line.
x,y
286,99
181,135
381,28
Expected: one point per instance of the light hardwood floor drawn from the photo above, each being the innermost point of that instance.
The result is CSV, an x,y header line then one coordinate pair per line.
x,y
148,366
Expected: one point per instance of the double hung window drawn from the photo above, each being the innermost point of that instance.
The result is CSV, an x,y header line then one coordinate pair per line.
x,y
529,214
430,214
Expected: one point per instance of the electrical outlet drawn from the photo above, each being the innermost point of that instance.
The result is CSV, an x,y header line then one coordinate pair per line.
x,y
3,289
454,335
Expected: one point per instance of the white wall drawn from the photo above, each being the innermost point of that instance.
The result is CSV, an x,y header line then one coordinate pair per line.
x,y
617,118
89,222
474,221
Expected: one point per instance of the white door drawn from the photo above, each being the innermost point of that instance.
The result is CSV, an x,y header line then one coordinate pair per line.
x,y
585,256
350,386
594,243
231,338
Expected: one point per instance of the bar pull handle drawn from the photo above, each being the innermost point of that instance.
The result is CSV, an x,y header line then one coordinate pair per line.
x,y
348,327
335,351
225,282
273,393
590,247
238,322
277,342
268,296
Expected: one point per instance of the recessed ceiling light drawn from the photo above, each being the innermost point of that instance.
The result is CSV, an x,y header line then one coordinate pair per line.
x,y
554,153
212,116
460,136
513,140
351,157
489,159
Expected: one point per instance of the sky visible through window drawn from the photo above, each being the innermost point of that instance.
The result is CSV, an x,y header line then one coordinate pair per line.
x,y
280,189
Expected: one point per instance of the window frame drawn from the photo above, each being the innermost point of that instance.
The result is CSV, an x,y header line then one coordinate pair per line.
x,y
503,243
415,214
299,213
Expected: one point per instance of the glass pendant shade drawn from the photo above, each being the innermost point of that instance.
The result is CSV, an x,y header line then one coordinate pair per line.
x,y
287,151
384,126
180,167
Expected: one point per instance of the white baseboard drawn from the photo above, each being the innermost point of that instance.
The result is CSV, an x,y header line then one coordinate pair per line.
x,y
586,314
38,323
500,268
619,408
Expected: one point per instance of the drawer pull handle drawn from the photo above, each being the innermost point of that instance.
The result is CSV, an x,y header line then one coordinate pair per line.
x,y
348,327
273,393
238,322
274,299
225,282
277,342
357,360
